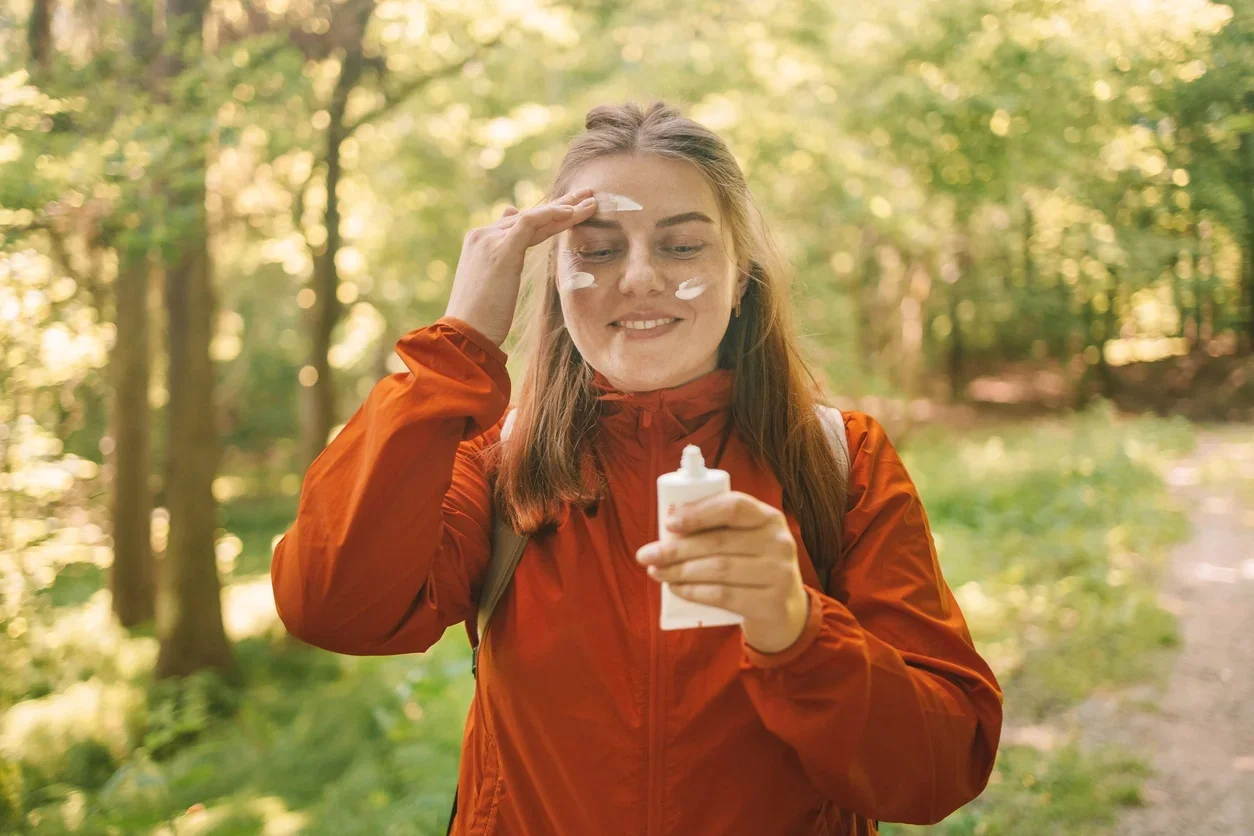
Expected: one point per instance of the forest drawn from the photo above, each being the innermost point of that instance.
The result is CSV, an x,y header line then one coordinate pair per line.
x,y
1022,233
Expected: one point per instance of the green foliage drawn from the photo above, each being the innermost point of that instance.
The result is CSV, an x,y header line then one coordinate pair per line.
x,y
88,764
1049,793
1053,543
12,794
180,710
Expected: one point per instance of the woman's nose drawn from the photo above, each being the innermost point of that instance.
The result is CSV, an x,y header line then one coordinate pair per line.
x,y
641,276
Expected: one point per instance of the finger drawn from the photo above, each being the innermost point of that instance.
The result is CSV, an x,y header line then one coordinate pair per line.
x,y
751,603
572,198
720,568
733,509
734,541
543,222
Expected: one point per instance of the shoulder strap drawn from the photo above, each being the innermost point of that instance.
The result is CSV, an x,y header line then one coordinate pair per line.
x,y
834,427
507,549
508,545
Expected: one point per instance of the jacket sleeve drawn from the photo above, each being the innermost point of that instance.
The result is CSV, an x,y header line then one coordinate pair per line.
x,y
393,524
893,713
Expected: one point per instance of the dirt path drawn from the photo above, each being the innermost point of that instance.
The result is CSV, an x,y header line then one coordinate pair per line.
x,y
1199,731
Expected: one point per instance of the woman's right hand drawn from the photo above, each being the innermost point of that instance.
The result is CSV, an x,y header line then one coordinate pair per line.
x,y
486,284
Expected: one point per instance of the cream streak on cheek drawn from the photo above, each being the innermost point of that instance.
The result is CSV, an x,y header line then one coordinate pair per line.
x,y
610,202
689,290
578,281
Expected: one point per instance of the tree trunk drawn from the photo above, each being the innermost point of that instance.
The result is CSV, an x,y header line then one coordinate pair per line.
x,y
39,36
1245,188
957,348
957,352
1247,260
1105,374
863,279
132,575
320,401
189,608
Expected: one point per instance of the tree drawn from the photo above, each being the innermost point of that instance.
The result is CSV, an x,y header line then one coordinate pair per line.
x,y
189,609
132,576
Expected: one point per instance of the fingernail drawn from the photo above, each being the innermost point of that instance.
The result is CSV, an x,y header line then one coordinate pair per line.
x,y
587,201
675,523
647,553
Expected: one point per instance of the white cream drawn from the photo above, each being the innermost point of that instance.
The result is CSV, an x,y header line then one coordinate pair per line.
x,y
578,281
610,202
689,289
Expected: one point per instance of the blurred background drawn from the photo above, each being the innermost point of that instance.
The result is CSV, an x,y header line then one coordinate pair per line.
x,y
1023,233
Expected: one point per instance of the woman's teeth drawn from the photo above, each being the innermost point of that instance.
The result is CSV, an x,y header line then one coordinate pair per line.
x,y
645,324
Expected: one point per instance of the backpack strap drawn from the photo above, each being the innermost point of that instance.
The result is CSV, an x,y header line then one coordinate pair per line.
x,y
507,549
508,545
834,428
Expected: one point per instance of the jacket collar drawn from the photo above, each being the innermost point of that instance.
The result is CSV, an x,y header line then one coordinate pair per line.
x,y
678,412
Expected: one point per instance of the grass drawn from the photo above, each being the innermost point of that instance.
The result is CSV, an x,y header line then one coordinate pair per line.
x,y
1052,535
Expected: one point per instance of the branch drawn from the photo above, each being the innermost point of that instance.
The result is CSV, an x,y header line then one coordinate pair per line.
x,y
398,97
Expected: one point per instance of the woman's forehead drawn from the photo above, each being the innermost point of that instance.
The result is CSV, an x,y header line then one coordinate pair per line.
x,y
661,187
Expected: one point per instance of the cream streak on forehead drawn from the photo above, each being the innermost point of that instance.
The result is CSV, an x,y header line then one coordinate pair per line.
x,y
610,202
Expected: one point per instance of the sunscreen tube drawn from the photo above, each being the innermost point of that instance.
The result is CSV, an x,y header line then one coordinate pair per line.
x,y
692,481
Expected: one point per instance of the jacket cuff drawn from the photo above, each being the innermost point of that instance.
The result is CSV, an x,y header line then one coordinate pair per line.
x,y
752,658
475,336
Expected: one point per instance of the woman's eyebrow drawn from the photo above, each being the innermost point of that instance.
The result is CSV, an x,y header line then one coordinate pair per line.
x,y
598,222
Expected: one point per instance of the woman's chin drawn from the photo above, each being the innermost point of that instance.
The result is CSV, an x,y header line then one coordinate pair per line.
x,y
646,377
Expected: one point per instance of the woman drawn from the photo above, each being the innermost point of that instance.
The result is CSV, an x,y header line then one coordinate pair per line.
x,y
662,321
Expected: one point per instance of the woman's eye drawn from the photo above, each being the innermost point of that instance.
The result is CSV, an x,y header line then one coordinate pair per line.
x,y
687,249
603,254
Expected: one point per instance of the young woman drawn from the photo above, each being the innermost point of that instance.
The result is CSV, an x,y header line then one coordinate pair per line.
x,y
851,692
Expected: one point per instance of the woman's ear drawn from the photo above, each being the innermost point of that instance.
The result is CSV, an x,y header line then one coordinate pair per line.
x,y
742,282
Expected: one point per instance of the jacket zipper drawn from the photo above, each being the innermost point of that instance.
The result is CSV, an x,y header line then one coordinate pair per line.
x,y
656,703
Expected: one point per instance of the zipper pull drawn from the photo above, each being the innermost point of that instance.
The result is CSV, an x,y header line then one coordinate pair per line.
x,y
647,419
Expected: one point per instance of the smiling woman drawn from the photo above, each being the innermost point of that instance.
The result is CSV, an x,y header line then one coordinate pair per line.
x,y
631,324
849,693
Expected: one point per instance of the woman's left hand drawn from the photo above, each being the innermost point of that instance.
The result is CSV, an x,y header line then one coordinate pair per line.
x,y
735,552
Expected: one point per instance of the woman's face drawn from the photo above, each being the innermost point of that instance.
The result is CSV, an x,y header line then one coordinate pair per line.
x,y
648,282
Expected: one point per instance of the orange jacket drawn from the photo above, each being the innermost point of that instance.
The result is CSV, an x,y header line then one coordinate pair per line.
x,y
587,719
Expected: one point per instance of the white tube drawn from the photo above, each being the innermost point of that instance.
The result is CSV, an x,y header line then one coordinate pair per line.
x,y
692,481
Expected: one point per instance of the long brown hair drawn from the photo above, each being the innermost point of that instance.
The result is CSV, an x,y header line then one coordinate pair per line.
x,y
544,466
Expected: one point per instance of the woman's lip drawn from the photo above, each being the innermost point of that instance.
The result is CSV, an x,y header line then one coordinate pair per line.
x,y
643,316
657,331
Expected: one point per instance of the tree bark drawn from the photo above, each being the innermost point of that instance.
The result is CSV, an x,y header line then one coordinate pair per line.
x,y
863,280
1247,259
132,576
320,401
189,608
39,35
957,352
1105,374
957,359
1246,145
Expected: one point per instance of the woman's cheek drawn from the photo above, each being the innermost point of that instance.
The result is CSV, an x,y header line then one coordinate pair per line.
x,y
585,302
